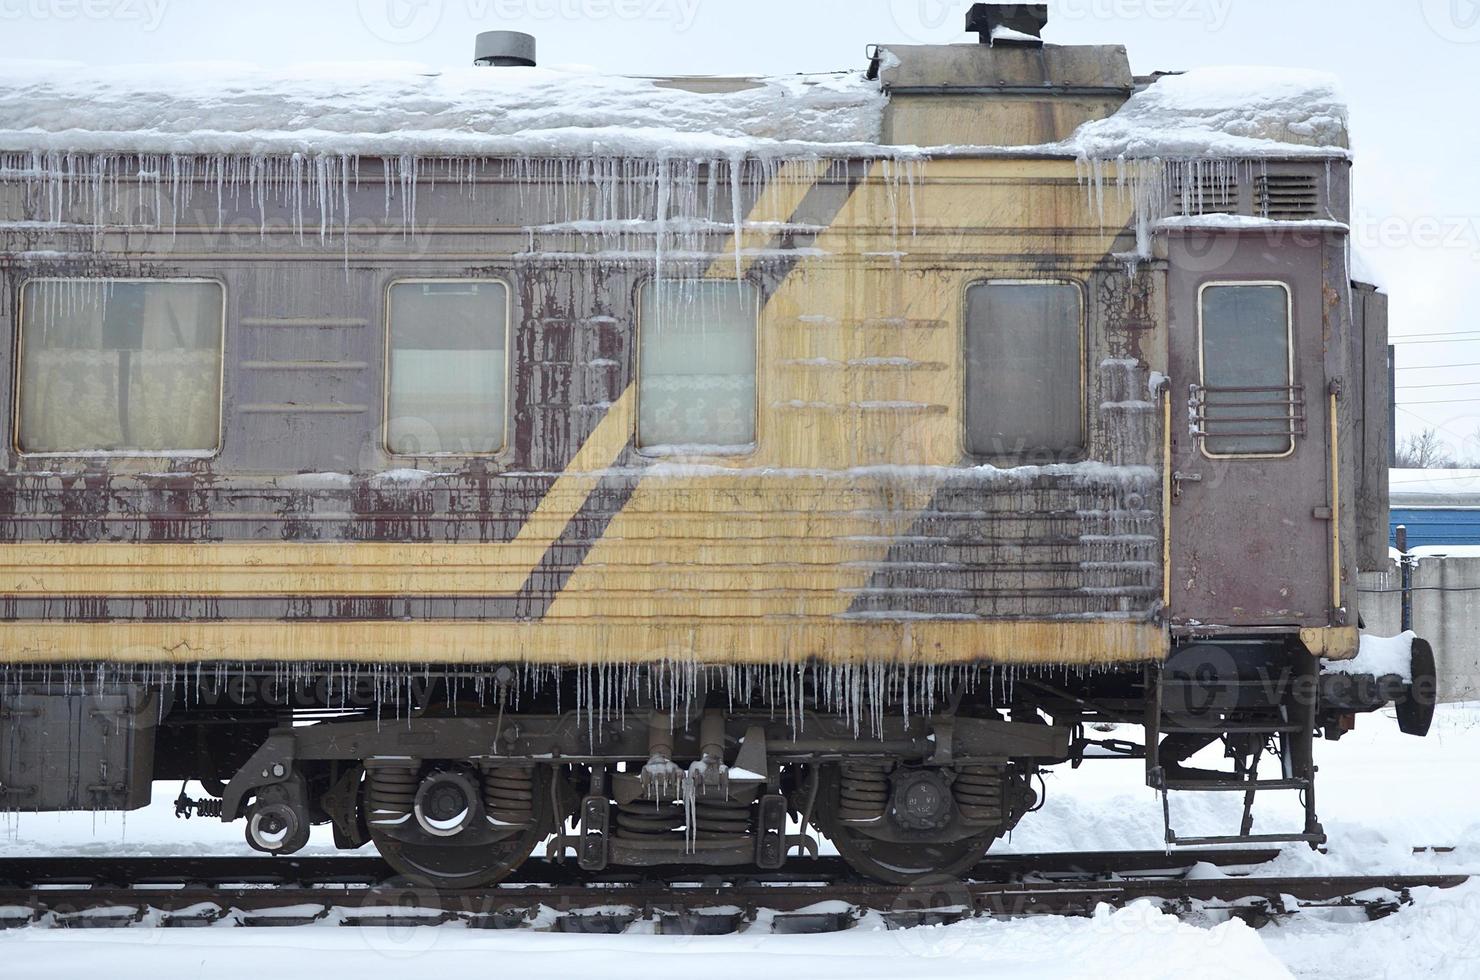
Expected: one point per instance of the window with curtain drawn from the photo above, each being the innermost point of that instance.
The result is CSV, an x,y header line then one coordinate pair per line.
x,y
697,371
1024,369
448,367
120,366
1249,400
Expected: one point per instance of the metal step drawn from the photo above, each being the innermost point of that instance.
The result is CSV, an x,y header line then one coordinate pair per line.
x,y
1233,785
1175,841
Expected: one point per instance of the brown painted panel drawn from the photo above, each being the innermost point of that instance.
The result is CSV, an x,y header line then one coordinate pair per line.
x,y
1251,537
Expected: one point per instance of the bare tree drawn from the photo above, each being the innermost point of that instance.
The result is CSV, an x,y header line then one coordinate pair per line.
x,y
1470,451
1425,451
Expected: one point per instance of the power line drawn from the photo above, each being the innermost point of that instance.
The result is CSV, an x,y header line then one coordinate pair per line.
x,y
1430,422
1435,333
1452,384
1445,401
1453,340
1437,367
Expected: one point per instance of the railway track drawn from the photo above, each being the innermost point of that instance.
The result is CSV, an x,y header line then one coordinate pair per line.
x,y
809,896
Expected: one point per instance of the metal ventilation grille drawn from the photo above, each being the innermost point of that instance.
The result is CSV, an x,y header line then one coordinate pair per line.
x,y
1206,194
1287,197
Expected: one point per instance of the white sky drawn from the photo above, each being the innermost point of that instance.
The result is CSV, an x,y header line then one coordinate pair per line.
x,y
1411,68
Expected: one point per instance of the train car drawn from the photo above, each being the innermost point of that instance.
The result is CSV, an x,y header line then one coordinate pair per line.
x,y
674,470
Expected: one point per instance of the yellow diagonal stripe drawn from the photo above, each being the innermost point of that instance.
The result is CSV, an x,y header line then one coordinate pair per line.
x,y
313,568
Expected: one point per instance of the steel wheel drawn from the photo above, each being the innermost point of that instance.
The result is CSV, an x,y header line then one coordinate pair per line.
x,y
447,862
892,861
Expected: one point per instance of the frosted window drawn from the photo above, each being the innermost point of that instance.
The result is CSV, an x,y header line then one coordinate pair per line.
x,y
120,366
697,375
1024,369
1248,396
448,368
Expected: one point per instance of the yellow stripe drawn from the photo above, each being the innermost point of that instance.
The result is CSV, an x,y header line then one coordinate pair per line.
x,y
838,641
778,202
311,568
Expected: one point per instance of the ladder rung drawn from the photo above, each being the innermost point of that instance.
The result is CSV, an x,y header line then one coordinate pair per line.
x,y
1234,785
1176,841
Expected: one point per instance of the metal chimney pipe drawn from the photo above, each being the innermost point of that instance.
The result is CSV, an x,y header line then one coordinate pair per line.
x,y
504,49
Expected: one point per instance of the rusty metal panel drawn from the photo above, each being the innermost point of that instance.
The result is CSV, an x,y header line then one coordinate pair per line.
x,y
1373,396
1251,537
858,528
77,751
949,94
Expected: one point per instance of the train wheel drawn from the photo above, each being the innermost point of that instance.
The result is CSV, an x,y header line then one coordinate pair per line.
x,y
434,849
892,861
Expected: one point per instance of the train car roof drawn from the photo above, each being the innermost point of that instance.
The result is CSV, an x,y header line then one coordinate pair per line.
x,y
379,109
1435,488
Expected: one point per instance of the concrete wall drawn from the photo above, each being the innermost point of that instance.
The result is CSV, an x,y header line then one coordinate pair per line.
x,y
1446,612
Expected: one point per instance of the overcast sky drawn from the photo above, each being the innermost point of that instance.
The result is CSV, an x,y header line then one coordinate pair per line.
x,y
1411,70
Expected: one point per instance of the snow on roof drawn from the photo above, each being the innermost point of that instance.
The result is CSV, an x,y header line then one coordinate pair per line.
x,y
1433,483
394,108
1224,112
1362,268
391,108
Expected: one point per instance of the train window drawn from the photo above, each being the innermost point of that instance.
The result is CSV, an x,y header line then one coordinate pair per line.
x,y
447,370
120,366
1024,369
697,371
1248,402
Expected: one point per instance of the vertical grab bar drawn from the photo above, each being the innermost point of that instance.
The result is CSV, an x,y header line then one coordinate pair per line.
x,y
1336,595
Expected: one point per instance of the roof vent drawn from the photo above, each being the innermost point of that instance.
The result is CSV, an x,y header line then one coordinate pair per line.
x,y
1287,197
1204,193
504,49
1008,24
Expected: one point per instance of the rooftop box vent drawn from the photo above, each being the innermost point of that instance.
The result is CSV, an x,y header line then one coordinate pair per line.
x,y
1008,24
1209,193
1287,197
504,49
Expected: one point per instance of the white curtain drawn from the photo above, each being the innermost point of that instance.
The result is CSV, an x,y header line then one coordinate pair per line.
x,y
120,366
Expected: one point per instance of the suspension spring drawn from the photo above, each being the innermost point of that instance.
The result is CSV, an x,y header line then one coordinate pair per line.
x,y
863,792
392,794
717,818
186,807
508,795
979,793
646,820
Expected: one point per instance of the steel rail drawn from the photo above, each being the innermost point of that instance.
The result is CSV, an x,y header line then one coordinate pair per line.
x,y
306,871
806,897
810,907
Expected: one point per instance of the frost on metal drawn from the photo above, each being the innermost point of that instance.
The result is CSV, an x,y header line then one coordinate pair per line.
x,y
863,694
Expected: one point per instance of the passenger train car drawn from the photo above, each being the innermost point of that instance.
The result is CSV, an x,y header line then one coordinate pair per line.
x,y
677,469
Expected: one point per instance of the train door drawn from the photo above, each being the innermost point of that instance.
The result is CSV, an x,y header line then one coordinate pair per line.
x,y
1250,518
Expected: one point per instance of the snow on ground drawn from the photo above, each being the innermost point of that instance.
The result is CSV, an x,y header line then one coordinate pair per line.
x,y
1381,794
